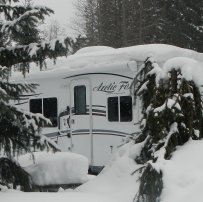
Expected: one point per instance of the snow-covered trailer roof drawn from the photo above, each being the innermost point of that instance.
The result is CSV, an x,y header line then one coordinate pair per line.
x,y
97,58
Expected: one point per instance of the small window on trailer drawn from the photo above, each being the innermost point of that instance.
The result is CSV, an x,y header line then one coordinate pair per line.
x,y
113,113
47,107
120,109
80,100
36,106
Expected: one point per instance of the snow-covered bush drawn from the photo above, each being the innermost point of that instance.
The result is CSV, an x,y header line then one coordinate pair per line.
x,y
172,114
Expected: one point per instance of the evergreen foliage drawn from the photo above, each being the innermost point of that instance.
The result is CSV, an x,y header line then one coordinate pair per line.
x,y
110,23
20,130
172,114
151,185
121,23
12,173
78,43
20,25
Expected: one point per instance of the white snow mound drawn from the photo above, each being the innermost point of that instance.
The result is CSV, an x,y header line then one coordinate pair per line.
x,y
55,168
190,68
116,180
183,174
93,49
182,178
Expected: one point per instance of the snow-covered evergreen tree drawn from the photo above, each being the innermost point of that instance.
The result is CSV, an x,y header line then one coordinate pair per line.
x,y
20,130
172,114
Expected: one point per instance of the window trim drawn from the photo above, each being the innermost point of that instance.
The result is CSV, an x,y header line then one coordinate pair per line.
x,y
42,102
119,110
85,113
41,105
108,109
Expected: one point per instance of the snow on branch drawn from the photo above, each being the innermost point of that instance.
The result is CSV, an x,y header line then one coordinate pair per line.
x,y
169,104
30,16
190,69
34,52
6,26
143,87
10,90
28,125
14,12
160,154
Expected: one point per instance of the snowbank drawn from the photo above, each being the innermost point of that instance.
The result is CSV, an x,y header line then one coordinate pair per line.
x,y
182,178
114,184
183,174
14,196
116,180
58,168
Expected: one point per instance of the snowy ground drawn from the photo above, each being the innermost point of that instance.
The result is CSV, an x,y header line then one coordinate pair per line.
x,y
183,175
183,180
54,197
115,184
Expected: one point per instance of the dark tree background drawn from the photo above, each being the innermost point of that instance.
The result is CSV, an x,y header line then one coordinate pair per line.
x,y
121,23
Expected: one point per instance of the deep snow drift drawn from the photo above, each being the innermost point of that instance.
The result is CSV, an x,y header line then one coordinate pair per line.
x,y
116,179
183,174
182,177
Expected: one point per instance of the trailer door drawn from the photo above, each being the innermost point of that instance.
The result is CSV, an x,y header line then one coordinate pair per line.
x,y
81,118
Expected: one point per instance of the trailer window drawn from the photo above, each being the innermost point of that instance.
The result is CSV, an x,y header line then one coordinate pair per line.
x,y
120,109
50,110
125,109
80,99
36,106
47,107
113,109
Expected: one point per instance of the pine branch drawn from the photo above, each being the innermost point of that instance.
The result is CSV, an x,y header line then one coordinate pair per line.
x,y
12,173
20,23
34,52
14,12
9,1
20,131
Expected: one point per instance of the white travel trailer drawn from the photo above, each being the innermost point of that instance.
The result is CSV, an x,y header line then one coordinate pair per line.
x,y
90,108
87,97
